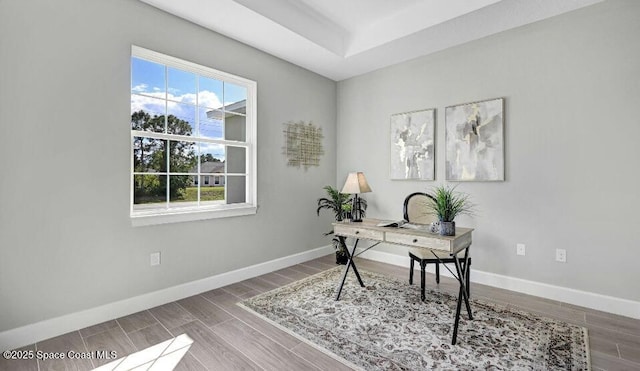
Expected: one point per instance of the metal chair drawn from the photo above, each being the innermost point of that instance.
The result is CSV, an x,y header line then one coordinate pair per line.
x,y
415,212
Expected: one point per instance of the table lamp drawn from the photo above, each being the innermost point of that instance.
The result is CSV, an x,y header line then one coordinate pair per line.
x,y
356,183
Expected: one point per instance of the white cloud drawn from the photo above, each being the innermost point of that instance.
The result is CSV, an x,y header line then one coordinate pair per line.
x,y
217,150
154,103
206,99
209,99
147,103
141,88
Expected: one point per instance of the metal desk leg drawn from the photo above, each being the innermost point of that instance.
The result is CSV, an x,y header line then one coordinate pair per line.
x,y
462,294
462,275
350,264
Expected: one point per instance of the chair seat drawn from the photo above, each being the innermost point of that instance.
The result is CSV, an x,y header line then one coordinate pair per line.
x,y
426,254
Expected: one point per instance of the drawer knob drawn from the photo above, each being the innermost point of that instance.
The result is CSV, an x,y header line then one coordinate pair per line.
x,y
357,232
415,240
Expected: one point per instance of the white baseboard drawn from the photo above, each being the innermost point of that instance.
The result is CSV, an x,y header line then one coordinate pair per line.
x,y
610,304
46,329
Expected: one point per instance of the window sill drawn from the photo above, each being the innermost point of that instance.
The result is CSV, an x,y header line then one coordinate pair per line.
x,y
188,215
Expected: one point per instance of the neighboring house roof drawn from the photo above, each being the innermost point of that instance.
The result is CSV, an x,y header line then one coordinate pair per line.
x,y
209,167
230,109
238,107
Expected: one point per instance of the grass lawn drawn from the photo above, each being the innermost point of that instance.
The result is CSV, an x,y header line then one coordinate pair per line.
x,y
189,194
206,194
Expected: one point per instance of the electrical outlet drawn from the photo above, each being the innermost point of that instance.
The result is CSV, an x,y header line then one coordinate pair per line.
x,y
561,255
154,258
520,249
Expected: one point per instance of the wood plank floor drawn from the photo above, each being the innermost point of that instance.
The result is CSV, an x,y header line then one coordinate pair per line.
x,y
229,338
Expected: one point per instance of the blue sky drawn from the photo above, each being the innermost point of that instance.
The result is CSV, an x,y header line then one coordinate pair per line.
x,y
149,77
182,89
151,84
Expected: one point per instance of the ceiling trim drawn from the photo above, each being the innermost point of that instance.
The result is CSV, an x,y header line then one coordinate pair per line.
x,y
295,31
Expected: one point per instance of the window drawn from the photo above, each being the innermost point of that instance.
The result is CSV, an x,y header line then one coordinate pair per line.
x,y
189,122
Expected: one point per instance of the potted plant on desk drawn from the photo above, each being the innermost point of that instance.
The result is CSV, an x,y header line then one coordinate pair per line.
x,y
447,205
341,205
346,212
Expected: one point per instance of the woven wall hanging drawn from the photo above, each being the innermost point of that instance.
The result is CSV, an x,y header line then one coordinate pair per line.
x,y
302,144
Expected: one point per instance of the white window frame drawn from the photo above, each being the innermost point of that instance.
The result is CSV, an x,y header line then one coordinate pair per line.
x,y
183,214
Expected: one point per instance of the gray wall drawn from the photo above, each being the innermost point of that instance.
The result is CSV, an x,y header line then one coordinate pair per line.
x,y
67,244
572,91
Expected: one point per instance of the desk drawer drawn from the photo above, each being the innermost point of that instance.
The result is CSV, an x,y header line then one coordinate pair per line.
x,y
419,241
352,231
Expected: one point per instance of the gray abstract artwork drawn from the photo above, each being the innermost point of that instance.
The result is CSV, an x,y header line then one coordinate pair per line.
x,y
412,145
474,144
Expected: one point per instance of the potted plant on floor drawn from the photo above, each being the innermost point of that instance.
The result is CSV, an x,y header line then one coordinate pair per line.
x,y
447,205
340,204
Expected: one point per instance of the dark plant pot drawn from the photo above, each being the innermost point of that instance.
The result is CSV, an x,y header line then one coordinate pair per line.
x,y
341,258
448,228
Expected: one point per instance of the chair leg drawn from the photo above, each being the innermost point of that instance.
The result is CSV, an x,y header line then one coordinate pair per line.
x,y
422,268
438,273
411,273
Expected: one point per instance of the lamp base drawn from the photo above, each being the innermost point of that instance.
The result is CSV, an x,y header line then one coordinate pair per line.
x,y
356,214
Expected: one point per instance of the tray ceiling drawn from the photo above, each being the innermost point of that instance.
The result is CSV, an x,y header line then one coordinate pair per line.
x,y
344,38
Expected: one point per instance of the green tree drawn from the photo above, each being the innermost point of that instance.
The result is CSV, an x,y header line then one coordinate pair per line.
x,y
150,156
208,157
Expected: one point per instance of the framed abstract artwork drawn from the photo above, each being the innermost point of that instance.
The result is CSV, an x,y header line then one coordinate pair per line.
x,y
474,141
412,145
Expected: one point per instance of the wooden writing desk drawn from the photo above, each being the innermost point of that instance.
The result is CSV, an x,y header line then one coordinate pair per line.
x,y
368,229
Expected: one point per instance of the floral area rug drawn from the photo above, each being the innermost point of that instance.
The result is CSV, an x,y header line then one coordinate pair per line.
x,y
386,326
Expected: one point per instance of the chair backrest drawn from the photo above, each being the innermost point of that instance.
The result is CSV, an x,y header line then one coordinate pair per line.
x,y
415,208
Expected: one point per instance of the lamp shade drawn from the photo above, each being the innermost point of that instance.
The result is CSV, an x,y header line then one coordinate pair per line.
x,y
356,183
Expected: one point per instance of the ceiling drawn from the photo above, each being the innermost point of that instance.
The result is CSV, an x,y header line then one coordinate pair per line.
x,y
345,38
